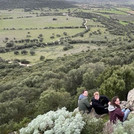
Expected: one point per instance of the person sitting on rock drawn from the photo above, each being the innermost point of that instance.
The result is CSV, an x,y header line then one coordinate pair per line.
x,y
83,102
100,103
115,111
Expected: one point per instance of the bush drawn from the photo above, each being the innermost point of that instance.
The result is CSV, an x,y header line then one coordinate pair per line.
x,y
16,52
125,128
10,44
65,33
58,122
24,52
42,57
51,100
32,52
108,128
24,61
67,47
93,125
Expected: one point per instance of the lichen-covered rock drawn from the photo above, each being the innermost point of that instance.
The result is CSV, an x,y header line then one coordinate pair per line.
x,y
130,101
130,96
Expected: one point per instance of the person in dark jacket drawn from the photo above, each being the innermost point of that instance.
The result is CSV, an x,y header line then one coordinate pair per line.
x,y
115,111
100,103
83,102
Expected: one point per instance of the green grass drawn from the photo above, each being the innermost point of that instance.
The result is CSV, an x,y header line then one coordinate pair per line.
x,y
124,9
36,22
21,34
94,23
123,23
111,11
47,21
14,13
50,52
40,22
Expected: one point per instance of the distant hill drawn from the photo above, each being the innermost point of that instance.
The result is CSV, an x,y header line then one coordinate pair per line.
x,y
105,1
10,4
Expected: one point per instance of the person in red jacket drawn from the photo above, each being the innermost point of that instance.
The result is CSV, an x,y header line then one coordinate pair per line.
x,y
115,111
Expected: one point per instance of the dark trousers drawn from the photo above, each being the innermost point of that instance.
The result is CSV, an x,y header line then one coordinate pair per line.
x,y
102,111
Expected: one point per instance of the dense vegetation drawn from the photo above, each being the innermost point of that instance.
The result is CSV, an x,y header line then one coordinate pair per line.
x,y
27,92
106,63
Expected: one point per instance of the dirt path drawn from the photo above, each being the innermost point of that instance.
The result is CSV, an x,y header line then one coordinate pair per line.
x,y
85,23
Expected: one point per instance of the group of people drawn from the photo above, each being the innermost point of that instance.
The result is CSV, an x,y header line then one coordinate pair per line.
x,y
102,105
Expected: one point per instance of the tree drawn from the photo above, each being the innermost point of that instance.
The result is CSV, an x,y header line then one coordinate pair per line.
x,y
113,86
54,19
24,52
89,80
117,81
51,99
41,39
10,44
16,52
24,61
65,33
32,52
42,57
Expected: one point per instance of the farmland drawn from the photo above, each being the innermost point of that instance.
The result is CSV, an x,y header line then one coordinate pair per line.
x,y
58,27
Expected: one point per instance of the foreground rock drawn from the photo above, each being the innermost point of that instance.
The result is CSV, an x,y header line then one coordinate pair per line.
x,y
130,101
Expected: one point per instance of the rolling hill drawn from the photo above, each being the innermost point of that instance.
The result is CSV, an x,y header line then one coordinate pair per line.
x,y
105,1
11,4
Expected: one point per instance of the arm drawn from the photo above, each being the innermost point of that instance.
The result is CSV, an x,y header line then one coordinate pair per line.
x,y
94,104
119,112
105,98
86,102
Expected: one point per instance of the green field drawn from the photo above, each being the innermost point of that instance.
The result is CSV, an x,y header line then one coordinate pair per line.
x,y
35,24
40,22
124,9
50,52
24,25
111,11
21,34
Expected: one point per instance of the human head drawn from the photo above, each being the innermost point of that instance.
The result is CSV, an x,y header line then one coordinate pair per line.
x,y
85,93
96,95
115,101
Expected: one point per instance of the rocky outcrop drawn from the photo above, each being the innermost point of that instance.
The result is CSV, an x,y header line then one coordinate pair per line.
x,y
130,101
130,96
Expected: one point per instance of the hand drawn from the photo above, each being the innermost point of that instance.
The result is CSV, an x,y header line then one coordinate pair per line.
x,y
109,103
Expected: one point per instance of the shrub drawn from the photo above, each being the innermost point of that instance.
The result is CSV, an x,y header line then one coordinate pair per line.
x,y
32,52
16,52
24,61
51,100
108,128
58,122
10,44
42,57
93,125
52,37
125,128
24,52
67,47
65,33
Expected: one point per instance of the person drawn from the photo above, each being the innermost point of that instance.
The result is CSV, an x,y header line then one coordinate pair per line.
x,y
100,103
115,111
83,102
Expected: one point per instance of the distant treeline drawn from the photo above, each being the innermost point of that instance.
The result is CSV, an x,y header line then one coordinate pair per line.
x,y
11,4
